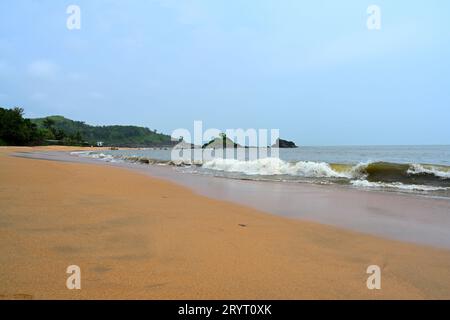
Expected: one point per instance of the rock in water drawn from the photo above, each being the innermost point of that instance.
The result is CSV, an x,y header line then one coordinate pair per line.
x,y
280,143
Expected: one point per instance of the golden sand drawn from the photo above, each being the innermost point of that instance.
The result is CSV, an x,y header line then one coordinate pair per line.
x,y
135,237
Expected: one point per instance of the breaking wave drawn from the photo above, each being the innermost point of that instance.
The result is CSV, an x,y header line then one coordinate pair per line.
x,y
275,166
372,170
411,177
438,171
394,185
386,175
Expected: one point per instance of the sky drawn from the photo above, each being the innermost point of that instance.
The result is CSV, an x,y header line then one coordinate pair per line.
x,y
312,69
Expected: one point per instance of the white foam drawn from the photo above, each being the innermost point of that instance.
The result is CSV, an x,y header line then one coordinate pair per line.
x,y
104,157
80,153
185,162
394,185
275,166
418,169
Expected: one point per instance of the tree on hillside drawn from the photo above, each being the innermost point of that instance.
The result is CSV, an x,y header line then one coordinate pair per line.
x,y
15,130
48,123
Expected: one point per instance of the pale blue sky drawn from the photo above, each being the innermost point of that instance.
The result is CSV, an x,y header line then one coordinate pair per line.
x,y
311,69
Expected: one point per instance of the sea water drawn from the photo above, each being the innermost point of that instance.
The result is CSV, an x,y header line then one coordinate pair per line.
x,y
419,169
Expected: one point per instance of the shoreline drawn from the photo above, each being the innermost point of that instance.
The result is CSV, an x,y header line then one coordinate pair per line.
x,y
393,215
141,237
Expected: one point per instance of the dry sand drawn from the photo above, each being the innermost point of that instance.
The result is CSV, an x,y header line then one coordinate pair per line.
x,y
138,237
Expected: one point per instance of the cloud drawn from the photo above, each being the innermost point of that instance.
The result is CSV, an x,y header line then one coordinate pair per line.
x,y
45,69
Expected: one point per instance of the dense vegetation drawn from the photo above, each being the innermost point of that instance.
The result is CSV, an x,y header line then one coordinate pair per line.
x,y
15,130
121,136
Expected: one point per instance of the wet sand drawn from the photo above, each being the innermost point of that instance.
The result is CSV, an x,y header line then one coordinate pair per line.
x,y
135,236
407,217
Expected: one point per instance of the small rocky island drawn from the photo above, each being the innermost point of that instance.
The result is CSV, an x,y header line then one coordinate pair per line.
x,y
221,142
280,143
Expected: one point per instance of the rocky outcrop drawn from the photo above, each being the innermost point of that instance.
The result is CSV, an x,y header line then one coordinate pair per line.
x,y
280,143
221,142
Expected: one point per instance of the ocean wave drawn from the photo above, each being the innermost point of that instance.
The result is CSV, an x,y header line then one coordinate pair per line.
x,y
367,174
381,175
276,166
94,155
104,157
408,174
428,169
395,185
81,153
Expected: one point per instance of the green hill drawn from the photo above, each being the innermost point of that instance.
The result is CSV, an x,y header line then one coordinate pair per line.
x,y
116,135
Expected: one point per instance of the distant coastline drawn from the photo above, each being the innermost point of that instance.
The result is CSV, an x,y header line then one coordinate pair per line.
x,y
58,130
15,130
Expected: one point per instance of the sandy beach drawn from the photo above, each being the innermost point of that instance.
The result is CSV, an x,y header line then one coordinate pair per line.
x,y
140,237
